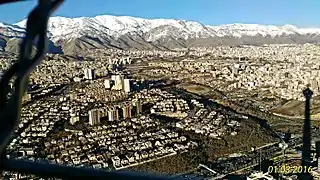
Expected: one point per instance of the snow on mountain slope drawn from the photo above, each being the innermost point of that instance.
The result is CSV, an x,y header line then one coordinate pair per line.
x,y
116,26
106,25
11,30
73,35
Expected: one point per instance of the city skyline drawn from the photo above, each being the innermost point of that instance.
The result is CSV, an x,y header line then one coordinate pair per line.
x,y
206,90
207,12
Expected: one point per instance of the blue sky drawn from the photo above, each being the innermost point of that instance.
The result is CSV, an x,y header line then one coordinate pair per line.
x,y
304,13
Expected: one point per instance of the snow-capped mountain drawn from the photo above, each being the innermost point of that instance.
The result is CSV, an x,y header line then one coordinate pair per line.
x,y
108,31
11,30
107,25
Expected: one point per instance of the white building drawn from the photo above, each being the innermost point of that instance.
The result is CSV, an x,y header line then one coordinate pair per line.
x,y
110,115
119,79
94,117
113,114
113,77
89,74
126,85
107,84
74,119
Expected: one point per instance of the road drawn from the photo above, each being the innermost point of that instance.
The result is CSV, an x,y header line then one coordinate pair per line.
x,y
231,165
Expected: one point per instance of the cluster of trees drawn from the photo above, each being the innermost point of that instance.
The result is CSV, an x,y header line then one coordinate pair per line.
x,y
175,164
250,135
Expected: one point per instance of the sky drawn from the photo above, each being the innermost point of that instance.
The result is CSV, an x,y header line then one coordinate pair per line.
x,y
302,13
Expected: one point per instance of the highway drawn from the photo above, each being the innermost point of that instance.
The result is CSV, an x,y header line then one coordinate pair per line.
x,y
251,159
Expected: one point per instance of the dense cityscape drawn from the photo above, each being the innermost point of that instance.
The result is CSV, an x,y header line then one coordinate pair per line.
x,y
195,112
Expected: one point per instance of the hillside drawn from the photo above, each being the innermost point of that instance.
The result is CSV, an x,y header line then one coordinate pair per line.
x,y
296,108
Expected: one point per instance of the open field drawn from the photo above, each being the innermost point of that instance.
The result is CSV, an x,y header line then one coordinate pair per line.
x,y
174,115
296,108
194,88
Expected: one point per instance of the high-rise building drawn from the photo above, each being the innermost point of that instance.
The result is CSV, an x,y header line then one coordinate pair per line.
x,y
86,74
94,117
74,119
103,113
113,114
89,74
120,112
118,79
107,84
134,111
127,111
137,105
92,74
110,115
113,77
126,85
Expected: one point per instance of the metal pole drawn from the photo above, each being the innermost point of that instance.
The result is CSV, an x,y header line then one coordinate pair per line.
x,y
306,148
306,153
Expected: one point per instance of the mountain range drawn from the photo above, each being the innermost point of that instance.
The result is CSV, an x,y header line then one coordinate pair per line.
x,y
74,35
